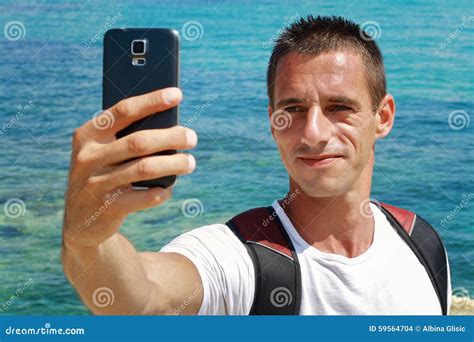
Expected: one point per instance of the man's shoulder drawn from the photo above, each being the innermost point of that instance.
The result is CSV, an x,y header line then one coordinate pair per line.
x,y
250,219
405,218
213,242
210,231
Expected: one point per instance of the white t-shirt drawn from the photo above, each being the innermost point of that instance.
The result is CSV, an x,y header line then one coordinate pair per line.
x,y
387,279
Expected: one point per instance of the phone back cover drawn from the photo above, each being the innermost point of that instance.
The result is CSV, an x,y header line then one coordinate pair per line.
x,y
121,79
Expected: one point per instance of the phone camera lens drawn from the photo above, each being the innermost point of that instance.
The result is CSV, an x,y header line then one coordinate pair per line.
x,y
139,47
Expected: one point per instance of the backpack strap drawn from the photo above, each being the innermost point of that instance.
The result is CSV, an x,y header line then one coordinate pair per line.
x,y
425,242
277,271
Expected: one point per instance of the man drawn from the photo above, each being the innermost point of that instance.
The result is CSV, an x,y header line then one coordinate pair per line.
x,y
324,249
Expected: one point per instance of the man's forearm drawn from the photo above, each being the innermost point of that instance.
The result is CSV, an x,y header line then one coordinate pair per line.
x,y
109,278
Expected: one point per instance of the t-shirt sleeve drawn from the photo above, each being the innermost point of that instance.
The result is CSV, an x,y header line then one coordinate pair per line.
x,y
225,268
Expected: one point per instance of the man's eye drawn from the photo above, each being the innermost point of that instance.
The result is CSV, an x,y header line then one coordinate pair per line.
x,y
295,109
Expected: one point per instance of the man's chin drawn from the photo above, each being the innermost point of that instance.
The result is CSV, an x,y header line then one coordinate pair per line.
x,y
320,193
317,185
317,189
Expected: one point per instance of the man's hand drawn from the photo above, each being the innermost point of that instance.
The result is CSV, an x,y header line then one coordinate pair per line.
x,y
98,199
99,196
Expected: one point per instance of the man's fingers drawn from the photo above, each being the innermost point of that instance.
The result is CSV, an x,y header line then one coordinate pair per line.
x,y
135,200
145,169
146,142
127,111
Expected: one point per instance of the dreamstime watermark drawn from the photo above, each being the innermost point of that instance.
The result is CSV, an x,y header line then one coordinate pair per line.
x,y
283,204
370,30
102,297
46,330
103,119
200,110
191,298
465,21
365,209
14,208
108,23
367,122
192,30
281,119
466,199
14,30
109,199
19,291
280,297
192,208
288,21
458,119
21,110
460,297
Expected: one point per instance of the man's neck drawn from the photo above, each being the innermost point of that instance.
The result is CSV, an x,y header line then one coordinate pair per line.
x,y
339,225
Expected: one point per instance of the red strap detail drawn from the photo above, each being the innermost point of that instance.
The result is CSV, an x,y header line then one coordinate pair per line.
x,y
405,217
258,225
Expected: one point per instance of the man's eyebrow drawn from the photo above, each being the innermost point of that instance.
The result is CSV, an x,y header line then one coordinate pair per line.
x,y
344,100
289,100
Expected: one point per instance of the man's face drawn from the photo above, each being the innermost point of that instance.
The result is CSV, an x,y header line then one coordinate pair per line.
x,y
322,106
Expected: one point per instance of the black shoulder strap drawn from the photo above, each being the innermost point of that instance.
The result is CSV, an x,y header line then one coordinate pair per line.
x,y
277,271
425,242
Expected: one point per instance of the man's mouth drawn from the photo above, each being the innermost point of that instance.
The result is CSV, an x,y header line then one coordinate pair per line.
x,y
320,161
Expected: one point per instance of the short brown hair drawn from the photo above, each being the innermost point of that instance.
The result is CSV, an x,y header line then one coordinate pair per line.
x,y
314,36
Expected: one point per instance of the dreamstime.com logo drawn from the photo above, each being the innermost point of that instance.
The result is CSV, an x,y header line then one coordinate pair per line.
x,y
192,208
192,30
283,204
370,30
281,297
200,110
21,110
288,21
103,119
466,199
108,23
460,297
19,291
14,30
281,119
365,209
14,208
188,301
109,199
458,119
102,297
464,23
46,330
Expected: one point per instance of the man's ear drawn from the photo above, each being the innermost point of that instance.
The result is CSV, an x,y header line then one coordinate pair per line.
x,y
386,117
270,112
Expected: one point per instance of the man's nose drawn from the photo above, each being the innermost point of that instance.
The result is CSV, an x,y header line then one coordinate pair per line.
x,y
317,127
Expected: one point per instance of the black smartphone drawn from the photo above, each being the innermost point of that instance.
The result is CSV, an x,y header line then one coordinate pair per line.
x,y
139,61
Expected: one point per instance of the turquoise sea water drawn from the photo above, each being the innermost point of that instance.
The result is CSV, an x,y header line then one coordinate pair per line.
x,y
50,83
